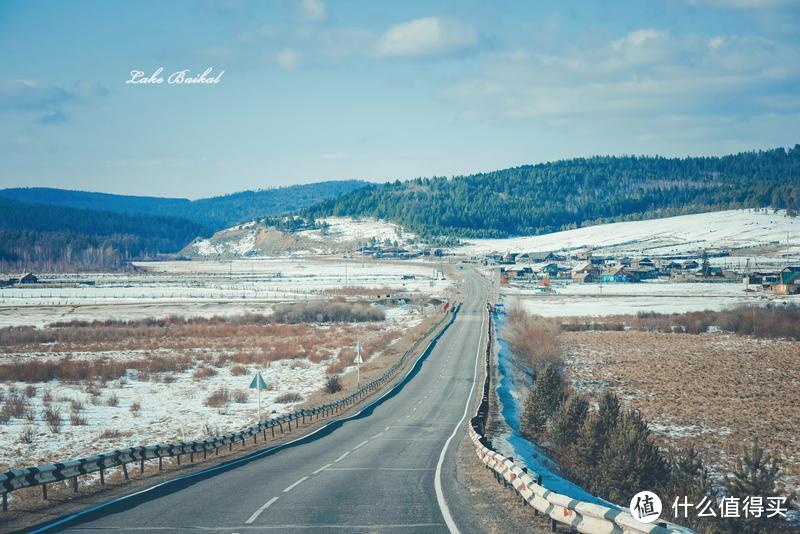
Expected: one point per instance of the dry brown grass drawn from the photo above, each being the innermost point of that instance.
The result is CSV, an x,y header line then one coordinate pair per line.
x,y
239,370
289,396
716,390
219,398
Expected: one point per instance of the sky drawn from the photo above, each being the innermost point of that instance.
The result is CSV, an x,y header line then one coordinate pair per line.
x,y
316,90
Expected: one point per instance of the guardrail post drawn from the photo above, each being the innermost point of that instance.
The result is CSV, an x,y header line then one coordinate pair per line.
x,y
179,459
102,477
44,491
125,470
553,525
75,484
160,463
272,428
141,466
290,424
5,502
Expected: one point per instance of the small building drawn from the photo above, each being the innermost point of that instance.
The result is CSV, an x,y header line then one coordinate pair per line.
x,y
618,274
29,278
585,273
788,282
690,265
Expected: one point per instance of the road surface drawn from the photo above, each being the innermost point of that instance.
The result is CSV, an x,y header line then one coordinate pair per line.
x,y
393,470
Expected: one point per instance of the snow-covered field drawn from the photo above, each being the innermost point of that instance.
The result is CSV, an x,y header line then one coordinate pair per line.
x,y
175,409
207,288
732,229
613,299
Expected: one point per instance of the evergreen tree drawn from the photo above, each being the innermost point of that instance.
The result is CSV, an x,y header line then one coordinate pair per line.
x,y
563,433
704,265
630,461
755,475
591,441
690,480
545,396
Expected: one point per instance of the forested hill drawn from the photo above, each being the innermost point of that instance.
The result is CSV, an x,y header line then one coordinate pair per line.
x,y
44,229
535,199
57,238
215,213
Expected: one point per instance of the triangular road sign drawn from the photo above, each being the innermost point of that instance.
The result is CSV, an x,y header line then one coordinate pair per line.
x,y
258,382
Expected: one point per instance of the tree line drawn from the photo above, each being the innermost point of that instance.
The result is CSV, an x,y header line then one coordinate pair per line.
x,y
548,197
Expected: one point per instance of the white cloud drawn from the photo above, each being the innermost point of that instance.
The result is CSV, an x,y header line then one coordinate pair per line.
x,y
426,36
288,58
313,9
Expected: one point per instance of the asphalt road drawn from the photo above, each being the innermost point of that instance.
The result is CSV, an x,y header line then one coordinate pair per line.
x,y
393,470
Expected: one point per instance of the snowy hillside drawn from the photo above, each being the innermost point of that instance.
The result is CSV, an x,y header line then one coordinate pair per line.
x,y
733,229
342,234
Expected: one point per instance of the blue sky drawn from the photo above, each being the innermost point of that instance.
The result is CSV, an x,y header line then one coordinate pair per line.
x,y
333,89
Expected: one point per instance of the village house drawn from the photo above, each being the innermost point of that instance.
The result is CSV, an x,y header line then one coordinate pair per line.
x,y
585,273
618,274
788,282
29,278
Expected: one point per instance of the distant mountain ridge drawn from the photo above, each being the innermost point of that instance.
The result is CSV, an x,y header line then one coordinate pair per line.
x,y
215,213
548,197
59,230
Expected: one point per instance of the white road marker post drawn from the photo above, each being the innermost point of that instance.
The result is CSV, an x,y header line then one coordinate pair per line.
x,y
358,361
258,383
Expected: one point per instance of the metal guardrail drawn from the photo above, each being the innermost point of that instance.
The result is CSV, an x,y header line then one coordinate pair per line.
x,y
42,475
572,513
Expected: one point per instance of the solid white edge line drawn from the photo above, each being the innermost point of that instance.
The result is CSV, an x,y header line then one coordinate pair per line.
x,y
321,469
258,512
290,488
448,519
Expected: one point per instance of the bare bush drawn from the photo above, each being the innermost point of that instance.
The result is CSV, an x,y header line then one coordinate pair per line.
x,y
27,436
204,372
30,391
77,420
335,368
239,370
112,400
289,396
52,416
333,384
15,406
534,340
240,396
328,312
219,398
135,408
109,434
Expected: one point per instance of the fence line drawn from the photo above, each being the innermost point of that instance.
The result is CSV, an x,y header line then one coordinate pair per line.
x,y
42,475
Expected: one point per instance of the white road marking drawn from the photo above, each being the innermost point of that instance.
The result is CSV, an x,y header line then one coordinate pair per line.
x,y
388,427
437,483
321,469
342,457
381,469
295,484
258,512
377,435
361,444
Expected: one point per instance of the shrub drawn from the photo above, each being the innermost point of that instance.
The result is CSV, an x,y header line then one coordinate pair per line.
x,y
112,400
52,417
239,370
218,399
27,435
135,408
30,391
204,372
544,398
291,396
15,406
76,406
327,312
335,367
333,384
109,434
240,396
77,420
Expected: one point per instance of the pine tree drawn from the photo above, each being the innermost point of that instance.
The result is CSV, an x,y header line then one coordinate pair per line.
x,y
631,462
591,442
755,475
567,422
546,394
705,266
690,480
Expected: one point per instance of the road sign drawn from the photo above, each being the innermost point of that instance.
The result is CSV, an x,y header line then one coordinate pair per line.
x,y
358,361
258,383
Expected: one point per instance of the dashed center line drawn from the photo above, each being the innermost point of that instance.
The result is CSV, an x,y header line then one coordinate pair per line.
x,y
377,435
342,457
321,469
294,485
263,507
361,444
